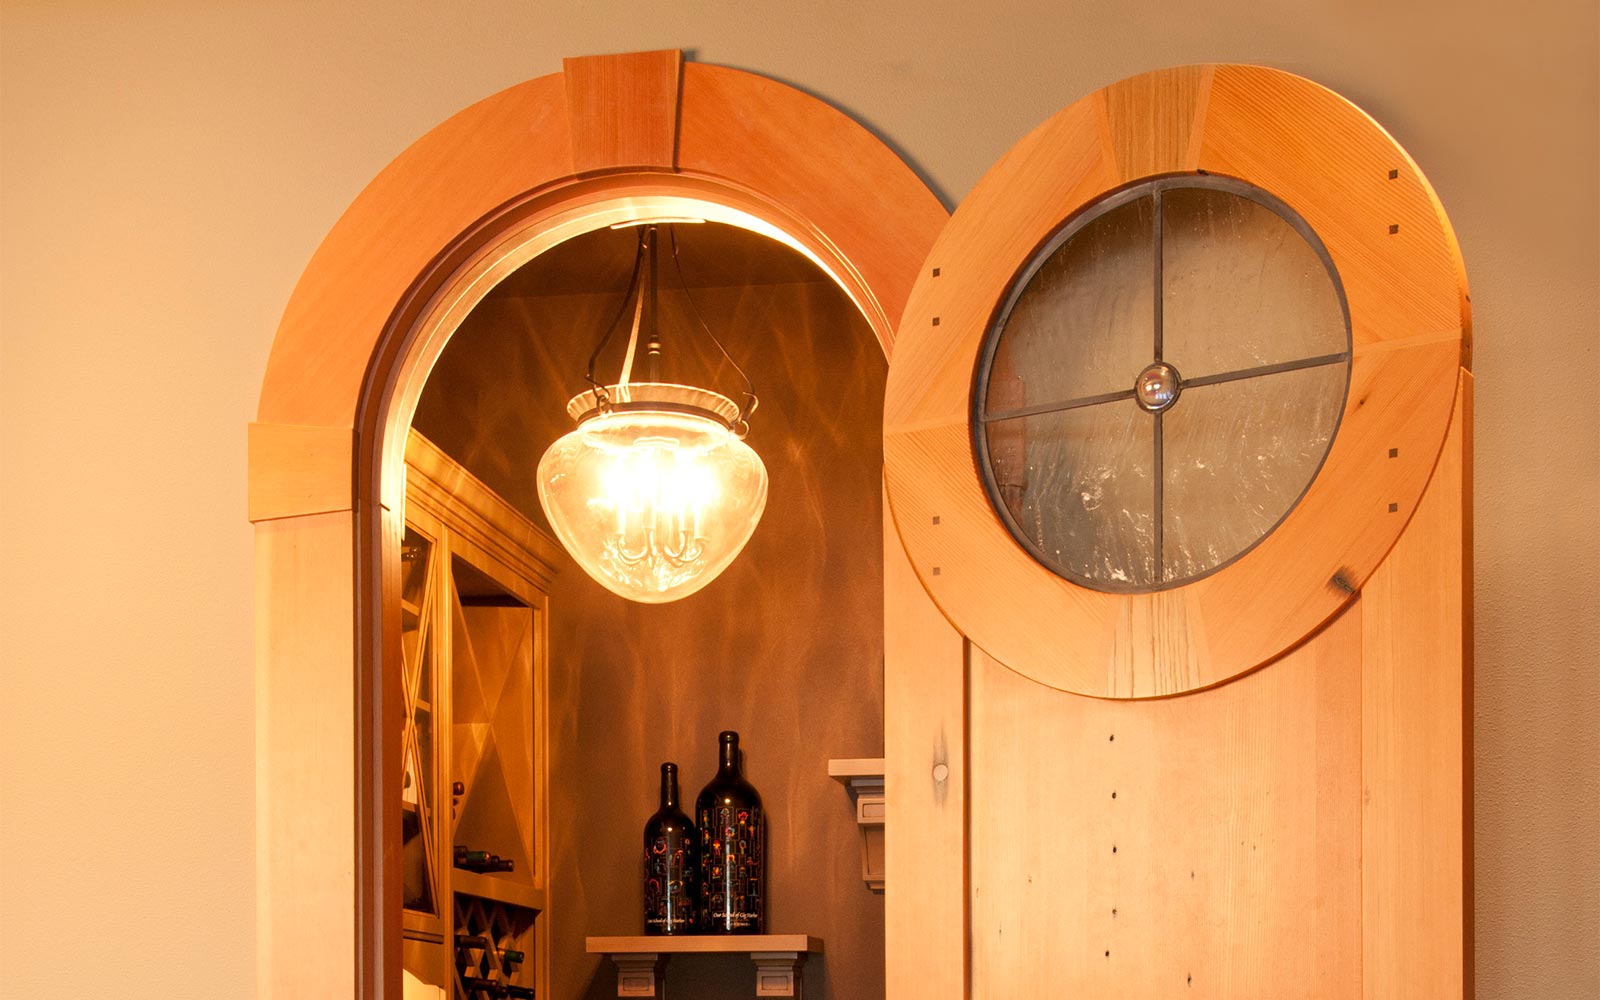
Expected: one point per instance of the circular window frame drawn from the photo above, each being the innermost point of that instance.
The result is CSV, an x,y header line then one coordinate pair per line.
x,y
1152,187
1405,288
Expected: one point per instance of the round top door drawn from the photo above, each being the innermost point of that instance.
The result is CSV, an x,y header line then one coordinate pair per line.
x,y
1173,380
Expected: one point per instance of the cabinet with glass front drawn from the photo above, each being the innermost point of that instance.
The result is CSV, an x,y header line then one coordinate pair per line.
x,y
474,579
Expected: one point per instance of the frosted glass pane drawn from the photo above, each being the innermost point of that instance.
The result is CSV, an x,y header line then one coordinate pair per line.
x,y
1079,484
1085,323
1241,288
1244,293
1236,457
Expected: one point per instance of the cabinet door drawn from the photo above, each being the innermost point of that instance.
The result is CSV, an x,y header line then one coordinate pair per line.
x,y
424,625
1176,439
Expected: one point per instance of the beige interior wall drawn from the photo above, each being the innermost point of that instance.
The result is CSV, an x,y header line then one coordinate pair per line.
x,y
166,169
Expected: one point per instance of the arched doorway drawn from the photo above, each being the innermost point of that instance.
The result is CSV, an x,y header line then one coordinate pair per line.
x,y
609,139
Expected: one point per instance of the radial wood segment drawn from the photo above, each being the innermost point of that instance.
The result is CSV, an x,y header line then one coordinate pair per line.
x,y
1416,747
846,189
1309,146
1155,121
623,110
481,158
1394,254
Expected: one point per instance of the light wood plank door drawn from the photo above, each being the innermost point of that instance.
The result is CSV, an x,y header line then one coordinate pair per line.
x,y
1177,443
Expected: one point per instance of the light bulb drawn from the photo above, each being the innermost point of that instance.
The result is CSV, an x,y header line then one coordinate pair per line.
x,y
652,503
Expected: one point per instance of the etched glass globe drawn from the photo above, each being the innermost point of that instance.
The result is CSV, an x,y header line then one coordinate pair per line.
x,y
654,493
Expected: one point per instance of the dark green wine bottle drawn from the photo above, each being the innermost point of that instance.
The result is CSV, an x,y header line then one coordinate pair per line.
x,y
671,862
733,836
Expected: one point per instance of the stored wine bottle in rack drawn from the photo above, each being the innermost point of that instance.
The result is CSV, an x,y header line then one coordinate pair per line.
x,y
476,986
671,863
482,861
732,848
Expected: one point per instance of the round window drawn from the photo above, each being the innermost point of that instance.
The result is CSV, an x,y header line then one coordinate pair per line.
x,y
1162,383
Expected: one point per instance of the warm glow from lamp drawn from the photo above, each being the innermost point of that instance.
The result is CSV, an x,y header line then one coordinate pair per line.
x,y
653,494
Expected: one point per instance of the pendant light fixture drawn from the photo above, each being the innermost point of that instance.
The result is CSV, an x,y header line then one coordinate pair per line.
x,y
655,492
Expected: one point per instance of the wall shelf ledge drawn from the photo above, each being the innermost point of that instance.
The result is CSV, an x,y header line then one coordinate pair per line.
x,y
641,961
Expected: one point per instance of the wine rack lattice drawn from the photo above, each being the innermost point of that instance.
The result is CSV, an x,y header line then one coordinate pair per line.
x,y
488,969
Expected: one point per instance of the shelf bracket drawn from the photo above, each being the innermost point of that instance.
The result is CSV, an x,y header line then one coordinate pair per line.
x,y
864,778
641,974
778,973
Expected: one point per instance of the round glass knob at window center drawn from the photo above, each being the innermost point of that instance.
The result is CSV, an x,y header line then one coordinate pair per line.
x,y
1157,387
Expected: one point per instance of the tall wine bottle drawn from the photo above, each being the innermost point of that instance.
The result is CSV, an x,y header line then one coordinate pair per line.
x,y
733,838
671,860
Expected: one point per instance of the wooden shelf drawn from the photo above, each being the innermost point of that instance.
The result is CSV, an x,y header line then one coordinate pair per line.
x,y
641,960
498,889
703,944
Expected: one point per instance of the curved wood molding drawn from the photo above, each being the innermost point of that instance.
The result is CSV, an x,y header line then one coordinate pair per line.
x,y
612,137
1406,290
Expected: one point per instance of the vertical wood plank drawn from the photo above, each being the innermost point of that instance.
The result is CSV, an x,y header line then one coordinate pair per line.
x,y
925,924
1205,846
1416,741
623,110
305,754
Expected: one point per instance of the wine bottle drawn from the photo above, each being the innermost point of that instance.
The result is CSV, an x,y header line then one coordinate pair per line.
x,y
733,838
476,942
476,984
671,863
482,861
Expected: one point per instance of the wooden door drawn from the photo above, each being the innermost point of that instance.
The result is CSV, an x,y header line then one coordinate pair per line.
x,y
1177,443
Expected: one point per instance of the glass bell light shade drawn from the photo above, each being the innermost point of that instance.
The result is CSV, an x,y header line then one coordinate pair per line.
x,y
653,493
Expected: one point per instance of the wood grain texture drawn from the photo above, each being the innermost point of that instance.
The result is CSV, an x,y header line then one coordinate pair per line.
x,y
1417,742
373,309
480,517
298,470
429,195
1204,846
305,736
1406,294
925,925
1155,121
623,110
491,707
851,198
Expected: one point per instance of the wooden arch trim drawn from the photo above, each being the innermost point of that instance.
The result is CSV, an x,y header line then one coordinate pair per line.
x,y
610,134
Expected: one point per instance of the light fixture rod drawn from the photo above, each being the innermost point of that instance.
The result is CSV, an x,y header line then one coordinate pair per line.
x,y
652,344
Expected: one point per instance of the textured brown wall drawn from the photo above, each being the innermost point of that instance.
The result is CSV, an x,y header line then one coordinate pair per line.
x,y
786,646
